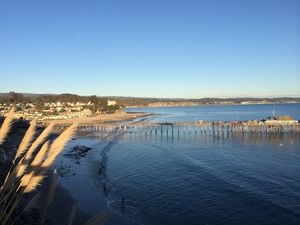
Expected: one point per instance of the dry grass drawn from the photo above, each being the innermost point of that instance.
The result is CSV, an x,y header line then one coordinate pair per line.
x,y
50,194
100,218
26,141
41,155
39,141
58,145
6,126
72,213
32,160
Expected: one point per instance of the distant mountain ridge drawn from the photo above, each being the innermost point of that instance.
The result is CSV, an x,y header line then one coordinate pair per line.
x,y
14,97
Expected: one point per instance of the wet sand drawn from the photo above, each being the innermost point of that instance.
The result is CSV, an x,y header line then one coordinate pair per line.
x,y
79,182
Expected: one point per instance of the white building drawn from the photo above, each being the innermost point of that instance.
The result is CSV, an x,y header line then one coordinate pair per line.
x,y
111,103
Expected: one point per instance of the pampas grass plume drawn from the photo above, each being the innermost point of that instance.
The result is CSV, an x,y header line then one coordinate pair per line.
x,y
40,140
6,126
58,146
27,139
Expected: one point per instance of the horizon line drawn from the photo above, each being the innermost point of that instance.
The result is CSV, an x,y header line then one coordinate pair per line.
x,y
193,98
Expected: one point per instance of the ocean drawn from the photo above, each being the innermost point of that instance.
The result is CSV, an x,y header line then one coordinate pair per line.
x,y
221,112
203,179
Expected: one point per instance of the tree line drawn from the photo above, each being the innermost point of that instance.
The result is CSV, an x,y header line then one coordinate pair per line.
x,y
99,104
40,99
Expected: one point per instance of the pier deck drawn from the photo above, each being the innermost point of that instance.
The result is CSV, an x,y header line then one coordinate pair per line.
x,y
192,128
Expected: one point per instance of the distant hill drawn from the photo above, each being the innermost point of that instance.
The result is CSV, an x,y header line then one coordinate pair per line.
x,y
13,97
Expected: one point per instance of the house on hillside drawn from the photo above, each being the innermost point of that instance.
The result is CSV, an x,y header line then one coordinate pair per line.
x,y
111,103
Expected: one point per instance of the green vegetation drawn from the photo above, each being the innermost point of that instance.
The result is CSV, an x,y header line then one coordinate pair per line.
x,y
100,103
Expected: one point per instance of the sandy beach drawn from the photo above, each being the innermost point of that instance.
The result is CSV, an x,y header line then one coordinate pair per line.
x,y
99,119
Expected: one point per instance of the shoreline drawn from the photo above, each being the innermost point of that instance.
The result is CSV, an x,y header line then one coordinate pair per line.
x,y
89,183
100,119
84,187
197,105
79,183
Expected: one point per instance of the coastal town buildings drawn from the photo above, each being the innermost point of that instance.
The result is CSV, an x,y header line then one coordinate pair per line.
x,y
50,110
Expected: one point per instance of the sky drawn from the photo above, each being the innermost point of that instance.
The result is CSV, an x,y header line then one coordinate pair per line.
x,y
151,48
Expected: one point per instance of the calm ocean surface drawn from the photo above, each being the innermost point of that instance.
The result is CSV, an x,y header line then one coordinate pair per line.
x,y
221,113
200,179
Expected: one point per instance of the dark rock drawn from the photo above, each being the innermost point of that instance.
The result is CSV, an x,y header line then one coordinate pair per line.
x,y
78,152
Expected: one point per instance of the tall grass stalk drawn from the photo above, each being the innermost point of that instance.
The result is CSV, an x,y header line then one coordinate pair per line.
x,y
26,141
32,160
100,218
72,213
6,126
50,195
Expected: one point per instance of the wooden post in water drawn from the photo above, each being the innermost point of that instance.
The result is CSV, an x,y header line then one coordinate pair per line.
x,y
167,130
172,131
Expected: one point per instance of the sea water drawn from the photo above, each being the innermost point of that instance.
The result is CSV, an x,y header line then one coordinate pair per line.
x,y
203,179
221,113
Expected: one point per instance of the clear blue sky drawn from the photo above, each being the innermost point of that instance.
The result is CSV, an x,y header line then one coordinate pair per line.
x,y
158,48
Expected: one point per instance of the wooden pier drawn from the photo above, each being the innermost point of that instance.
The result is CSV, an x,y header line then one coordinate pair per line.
x,y
191,128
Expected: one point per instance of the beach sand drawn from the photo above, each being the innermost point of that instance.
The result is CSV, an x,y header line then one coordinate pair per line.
x,y
109,118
